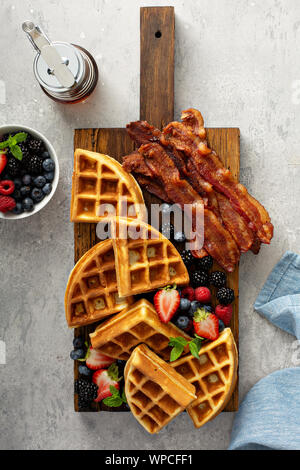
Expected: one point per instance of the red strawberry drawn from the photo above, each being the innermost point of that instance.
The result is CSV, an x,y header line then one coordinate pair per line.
x,y
224,313
96,360
3,161
104,382
188,293
203,295
166,302
206,325
7,204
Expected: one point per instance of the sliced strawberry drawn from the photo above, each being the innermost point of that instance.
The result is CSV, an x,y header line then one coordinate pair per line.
x,y
206,325
3,161
96,360
224,313
166,302
104,382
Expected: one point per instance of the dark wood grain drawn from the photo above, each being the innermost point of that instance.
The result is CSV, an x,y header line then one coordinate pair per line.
x,y
156,106
157,65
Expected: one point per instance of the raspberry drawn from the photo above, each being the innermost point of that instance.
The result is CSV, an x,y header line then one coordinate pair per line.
x,y
224,313
203,295
7,187
188,293
7,204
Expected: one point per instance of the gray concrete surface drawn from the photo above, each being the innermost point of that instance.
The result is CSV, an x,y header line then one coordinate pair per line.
x,y
237,61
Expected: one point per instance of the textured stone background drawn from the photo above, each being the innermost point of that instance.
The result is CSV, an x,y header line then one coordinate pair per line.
x,y
237,61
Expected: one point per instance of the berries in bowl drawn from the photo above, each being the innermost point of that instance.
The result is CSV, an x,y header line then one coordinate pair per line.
x,y
29,172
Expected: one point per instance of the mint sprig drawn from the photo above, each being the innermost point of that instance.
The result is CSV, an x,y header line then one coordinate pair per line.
x,y
113,372
116,399
12,144
178,344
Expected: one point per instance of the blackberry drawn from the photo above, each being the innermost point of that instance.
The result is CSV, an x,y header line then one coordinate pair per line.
x,y
24,149
83,404
167,229
33,164
225,296
187,258
35,145
199,278
204,264
13,167
86,390
217,279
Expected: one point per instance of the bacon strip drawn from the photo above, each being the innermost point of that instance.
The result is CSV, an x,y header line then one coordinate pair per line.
x,y
142,132
211,169
217,240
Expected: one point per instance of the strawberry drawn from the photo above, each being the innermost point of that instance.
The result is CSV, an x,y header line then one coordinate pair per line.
x,y
104,379
3,161
166,302
224,313
7,204
96,360
206,325
188,293
203,295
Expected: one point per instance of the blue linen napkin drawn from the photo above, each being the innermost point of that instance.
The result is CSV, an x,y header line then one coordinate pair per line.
x,y
269,417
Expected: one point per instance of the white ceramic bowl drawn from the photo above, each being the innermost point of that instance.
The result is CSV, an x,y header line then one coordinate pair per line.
x,y
14,128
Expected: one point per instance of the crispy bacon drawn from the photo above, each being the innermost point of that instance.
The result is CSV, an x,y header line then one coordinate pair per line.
x,y
141,131
211,169
217,240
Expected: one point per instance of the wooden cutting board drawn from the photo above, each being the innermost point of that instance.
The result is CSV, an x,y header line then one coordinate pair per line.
x,y
157,107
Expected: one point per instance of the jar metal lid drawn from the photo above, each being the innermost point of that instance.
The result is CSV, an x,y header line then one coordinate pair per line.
x,y
71,57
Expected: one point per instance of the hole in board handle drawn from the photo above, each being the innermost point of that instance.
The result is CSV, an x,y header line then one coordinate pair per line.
x,y
158,34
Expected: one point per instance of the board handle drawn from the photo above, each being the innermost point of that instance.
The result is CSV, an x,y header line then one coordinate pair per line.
x,y
157,65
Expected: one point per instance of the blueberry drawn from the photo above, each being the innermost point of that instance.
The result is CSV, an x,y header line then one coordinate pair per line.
x,y
84,370
121,364
27,180
17,195
182,322
77,354
37,195
221,326
208,308
49,176
17,183
39,181
194,307
48,164
78,342
185,304
25,191
28,204
18,209
179,237
45,155
47,188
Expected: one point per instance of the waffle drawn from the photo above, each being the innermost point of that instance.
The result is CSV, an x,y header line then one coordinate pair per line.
x,y
155,392
146,263
100,186
92,292
214,376
118,336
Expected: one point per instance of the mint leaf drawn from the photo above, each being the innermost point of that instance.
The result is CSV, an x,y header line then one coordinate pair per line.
x,y
4,145
115,400
176,353
195,346
17,152
179,341
113,372
20,137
